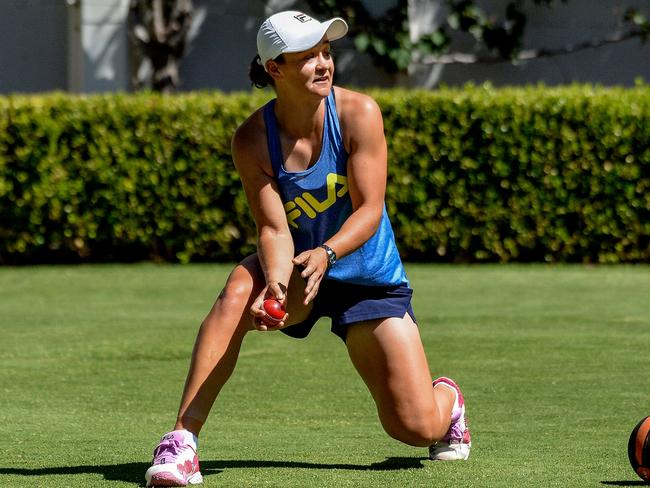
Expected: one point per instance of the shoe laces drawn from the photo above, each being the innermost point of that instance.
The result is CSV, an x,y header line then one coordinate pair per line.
x,y
456,431
168,448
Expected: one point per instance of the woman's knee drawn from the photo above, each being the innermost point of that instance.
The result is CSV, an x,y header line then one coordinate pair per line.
x,y
243,280
414,430
235,297
237,291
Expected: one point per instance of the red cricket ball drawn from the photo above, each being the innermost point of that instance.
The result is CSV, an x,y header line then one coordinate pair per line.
x,y
274,310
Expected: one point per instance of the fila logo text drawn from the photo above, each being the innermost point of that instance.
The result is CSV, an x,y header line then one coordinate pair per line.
x,y
306,204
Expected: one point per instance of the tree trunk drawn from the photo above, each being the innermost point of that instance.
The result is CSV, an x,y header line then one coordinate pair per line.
x,y
160,28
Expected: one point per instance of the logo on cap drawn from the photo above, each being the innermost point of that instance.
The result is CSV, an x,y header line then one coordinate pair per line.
x,y
302,18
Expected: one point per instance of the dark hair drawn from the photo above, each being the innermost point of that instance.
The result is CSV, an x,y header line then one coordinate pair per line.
x,y
258,75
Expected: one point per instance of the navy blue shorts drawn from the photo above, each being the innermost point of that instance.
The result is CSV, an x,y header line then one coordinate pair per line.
x,y
346,304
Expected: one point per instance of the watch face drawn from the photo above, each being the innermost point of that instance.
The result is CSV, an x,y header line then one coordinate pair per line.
x,y
331,255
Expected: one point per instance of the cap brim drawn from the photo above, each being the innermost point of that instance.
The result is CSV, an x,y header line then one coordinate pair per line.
x,y
336,28
333,29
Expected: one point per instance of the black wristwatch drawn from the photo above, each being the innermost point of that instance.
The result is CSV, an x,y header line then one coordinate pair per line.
x,y
331,255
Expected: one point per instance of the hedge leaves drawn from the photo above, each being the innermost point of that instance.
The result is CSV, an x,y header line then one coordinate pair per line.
x,y
475,174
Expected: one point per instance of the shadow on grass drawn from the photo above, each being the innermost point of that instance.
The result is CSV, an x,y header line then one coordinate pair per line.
x,y
624,483
134,472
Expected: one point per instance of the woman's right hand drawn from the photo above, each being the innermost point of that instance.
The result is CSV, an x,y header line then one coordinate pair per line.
x,y
314,266
276,291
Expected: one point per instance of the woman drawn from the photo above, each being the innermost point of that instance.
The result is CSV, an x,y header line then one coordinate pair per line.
x,y
313,164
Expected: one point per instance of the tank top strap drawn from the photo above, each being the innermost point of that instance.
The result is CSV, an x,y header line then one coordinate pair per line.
x,y
273,138
332,138
332,121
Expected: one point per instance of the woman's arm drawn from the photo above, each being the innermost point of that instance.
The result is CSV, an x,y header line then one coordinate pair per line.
x,y
275,245
363,131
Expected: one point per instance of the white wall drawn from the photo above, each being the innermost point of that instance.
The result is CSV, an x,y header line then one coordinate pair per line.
x,y
564,24
98,45
32,45
221,53
75,45
82,46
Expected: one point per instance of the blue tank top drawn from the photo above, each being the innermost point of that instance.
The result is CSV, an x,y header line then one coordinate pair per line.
x,y
317,203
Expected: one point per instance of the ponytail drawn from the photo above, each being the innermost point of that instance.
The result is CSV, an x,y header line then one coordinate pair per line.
x,y
258,75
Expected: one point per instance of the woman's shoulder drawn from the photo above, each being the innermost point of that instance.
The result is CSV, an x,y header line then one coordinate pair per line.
x,y
358,113
355,106
250,133
248,146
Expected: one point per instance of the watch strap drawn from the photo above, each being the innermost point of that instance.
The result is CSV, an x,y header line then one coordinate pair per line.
x,y
331,255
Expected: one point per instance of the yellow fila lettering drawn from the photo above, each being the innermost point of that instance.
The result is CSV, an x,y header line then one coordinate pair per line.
x,y
303,204
292,213
308,205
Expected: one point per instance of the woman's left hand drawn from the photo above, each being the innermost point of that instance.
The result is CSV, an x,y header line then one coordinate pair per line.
x,y
314,263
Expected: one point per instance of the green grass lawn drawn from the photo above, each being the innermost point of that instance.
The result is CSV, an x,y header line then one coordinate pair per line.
x,y
554,362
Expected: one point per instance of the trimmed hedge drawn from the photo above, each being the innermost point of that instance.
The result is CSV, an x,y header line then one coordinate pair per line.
x,y
121,177
475,174
521,174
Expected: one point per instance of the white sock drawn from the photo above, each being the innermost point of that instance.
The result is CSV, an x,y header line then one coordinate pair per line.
x,y
195,439
189,438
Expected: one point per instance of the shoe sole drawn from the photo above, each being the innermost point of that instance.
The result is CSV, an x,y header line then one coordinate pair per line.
x,y
165,478
451,454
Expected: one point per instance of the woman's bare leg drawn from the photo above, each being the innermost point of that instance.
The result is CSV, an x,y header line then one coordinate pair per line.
x,y
220,338
389,356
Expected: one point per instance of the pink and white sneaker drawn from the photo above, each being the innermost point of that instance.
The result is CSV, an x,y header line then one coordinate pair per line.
x,y
175,462
455,445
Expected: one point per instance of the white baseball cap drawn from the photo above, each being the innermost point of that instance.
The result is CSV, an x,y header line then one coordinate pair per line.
x,y
292,31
